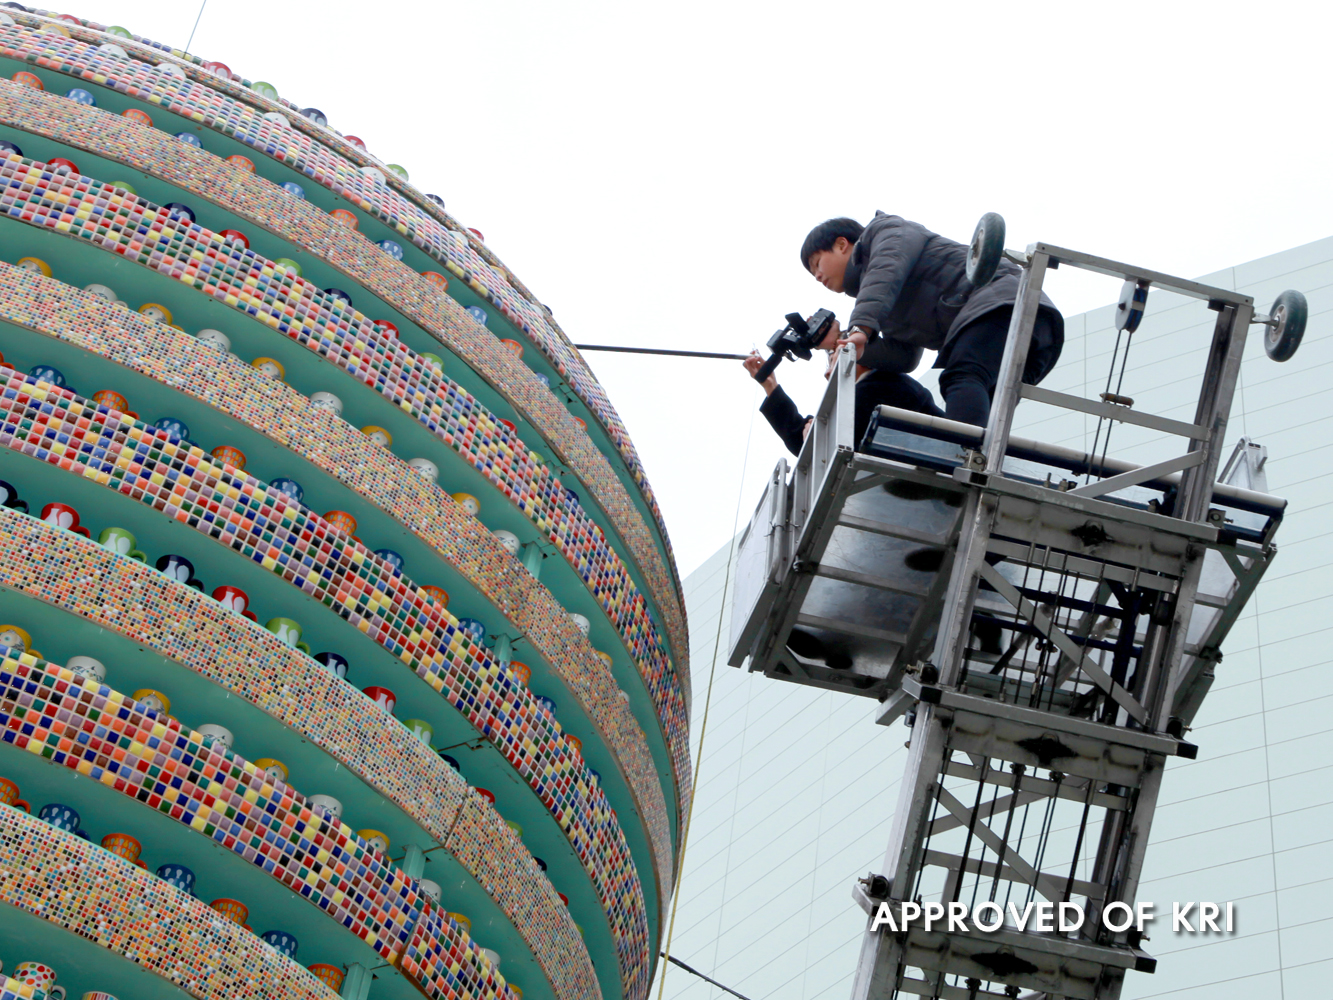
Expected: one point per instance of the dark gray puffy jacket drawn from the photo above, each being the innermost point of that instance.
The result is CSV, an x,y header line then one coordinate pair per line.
x,y
911,287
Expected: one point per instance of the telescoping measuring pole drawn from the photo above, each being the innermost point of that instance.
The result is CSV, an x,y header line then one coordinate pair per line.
x,y
1033,774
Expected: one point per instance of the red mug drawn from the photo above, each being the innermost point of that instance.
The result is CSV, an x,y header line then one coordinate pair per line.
x,y
233,599
381,696
62,515
487,794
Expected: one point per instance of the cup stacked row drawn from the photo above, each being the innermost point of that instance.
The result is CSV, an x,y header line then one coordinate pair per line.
x,y
126,597
230,273
203,102
181,362
183,482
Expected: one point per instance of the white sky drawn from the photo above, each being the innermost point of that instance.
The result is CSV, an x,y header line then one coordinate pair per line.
x,y
650,171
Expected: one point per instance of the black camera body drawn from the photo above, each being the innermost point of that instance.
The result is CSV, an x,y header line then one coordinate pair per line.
x,y
799,338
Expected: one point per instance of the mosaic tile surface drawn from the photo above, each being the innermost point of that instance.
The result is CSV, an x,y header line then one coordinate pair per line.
x,y
105,446
127,597
101,897
145,233
109,737
276,409
445,965
322,323
291,145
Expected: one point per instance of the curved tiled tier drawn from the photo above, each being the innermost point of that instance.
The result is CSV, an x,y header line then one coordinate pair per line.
x,y
198,103
275,409
109,448
79,724
126,597
105,899
100,214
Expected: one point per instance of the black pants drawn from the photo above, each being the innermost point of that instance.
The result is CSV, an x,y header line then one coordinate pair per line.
x,y
887,388
971,363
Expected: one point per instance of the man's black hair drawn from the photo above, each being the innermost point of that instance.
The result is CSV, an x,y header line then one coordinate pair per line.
x,y
824,235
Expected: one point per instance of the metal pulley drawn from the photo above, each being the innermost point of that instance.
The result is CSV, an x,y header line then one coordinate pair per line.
x,y
1133,301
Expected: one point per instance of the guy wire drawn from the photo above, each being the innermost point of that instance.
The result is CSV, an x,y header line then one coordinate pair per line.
x,y
708,698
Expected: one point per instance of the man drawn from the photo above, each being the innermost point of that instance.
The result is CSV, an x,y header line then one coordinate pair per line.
x,y
912,291
873,388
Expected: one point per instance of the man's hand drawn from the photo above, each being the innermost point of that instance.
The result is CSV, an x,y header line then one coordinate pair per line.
x,y
858,339
752,364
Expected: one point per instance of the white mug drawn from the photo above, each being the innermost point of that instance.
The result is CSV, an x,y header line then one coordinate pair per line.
x,y
216,735
326,804
327,401
215,338
86,666
431,889
426,467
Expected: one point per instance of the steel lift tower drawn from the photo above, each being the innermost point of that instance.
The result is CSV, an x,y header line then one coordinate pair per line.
x,y
1046,620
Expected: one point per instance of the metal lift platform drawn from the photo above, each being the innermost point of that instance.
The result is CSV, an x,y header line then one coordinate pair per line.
x,y
1047,621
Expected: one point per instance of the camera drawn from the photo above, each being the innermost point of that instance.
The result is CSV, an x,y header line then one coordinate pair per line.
x,y
797,339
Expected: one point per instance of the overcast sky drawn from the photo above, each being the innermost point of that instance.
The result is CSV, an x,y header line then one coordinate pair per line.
x,y
650,170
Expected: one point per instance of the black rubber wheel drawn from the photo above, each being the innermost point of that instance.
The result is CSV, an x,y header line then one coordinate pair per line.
x,y
1290,311
983,256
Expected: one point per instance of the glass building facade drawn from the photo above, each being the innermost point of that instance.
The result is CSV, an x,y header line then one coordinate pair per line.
x,y
797,787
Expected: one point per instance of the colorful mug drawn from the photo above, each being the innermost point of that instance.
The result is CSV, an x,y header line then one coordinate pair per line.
x,y
521,671
228,455
13,637
232,598
375,840
36,975
9,796
327,805
122,542
61,515
111,399
421,729
438,594
330,975
327,401
282,941
124,845
216,736
178,875
289,488
274,770
426,467
508,540
61,816
154,701
176,567
468,502
287,630
233,909
341,520
381,696
335,663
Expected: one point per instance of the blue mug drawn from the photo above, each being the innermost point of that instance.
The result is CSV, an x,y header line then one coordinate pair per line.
x,y
81,96
179,212
177,567
391,248
282,941
473,627
315,115
294,189
451,762
174,428
179,876
477,313
290,487
335,663
338,293
547,703
392,558
540,863
190,139
61,816
48,374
